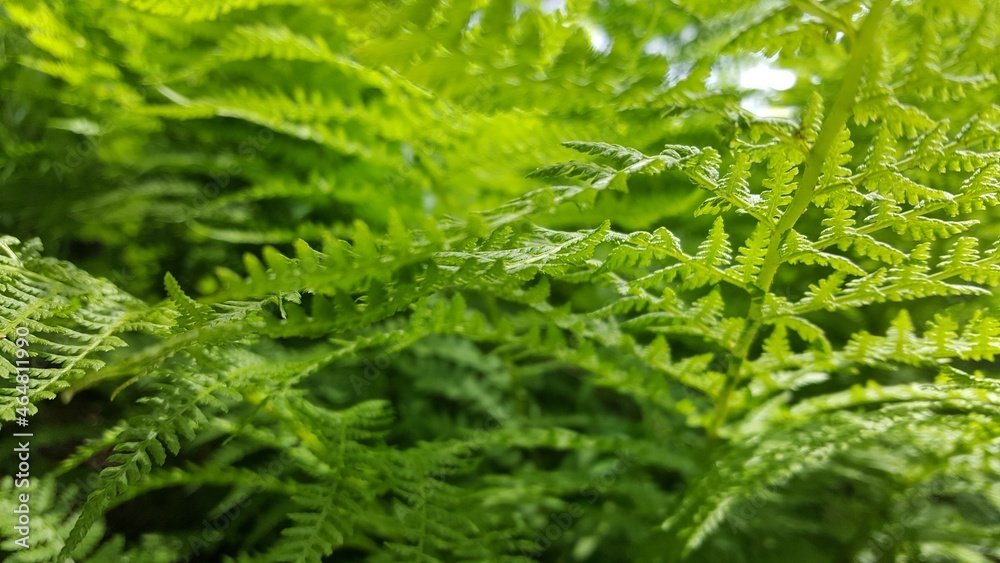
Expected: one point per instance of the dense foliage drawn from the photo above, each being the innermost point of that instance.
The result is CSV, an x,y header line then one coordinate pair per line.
x,y
501,280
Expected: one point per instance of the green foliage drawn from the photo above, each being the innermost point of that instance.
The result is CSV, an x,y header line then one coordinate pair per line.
x,y
391,307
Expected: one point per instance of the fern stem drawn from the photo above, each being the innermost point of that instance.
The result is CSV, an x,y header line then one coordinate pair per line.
x,y
835,121
10,253
832,126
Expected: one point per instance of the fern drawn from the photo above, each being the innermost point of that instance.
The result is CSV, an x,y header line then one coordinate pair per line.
x,y
502,281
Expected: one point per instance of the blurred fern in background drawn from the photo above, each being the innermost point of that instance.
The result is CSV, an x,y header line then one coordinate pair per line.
x,y
503,281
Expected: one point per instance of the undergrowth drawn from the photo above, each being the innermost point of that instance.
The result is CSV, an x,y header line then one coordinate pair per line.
x,y
501,281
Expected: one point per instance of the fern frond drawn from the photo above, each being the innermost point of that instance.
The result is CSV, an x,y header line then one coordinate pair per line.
x,y
67,319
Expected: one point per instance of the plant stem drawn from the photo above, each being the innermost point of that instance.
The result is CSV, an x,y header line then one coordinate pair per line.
x,y
9,252
834,123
